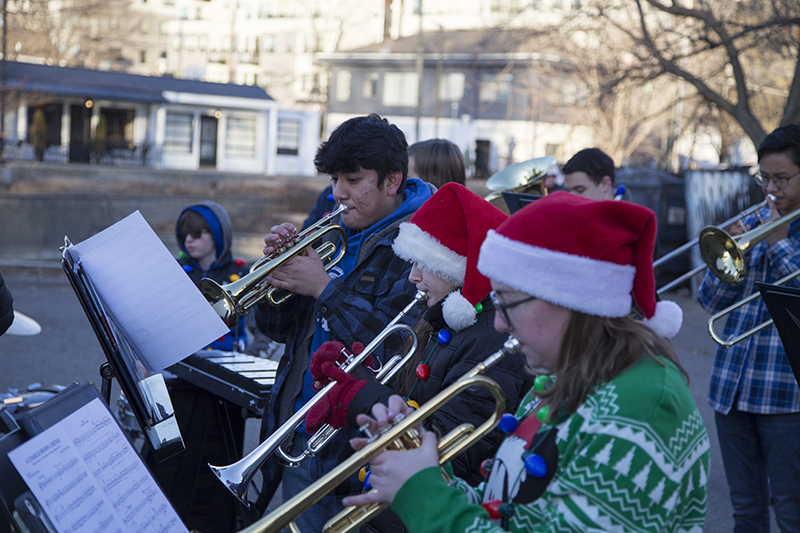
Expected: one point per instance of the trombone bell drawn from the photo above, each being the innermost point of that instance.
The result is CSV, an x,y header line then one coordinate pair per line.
x,y
722,255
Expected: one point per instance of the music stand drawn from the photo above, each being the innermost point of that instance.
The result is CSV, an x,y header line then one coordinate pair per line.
x,y
783,304
517,200
147,396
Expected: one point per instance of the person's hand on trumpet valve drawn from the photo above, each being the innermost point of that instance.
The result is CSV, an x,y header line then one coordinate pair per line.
x,y
332,409
391,469
280,234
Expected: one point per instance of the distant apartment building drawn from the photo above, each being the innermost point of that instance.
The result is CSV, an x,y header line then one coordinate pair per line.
x,y
272,43
489,91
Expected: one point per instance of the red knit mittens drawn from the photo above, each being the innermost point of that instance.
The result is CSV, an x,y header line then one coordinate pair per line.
x,y
332,409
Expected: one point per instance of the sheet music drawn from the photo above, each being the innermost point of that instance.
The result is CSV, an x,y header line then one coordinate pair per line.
x,y
162,314
88,478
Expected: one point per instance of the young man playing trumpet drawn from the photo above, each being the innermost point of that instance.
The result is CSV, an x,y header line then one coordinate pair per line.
x,y
753,389
367,160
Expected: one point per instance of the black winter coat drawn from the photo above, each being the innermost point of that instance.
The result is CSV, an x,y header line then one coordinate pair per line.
x,y
449,362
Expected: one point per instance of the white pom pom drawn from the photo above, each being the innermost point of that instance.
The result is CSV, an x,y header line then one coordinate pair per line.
x,y
458,313
667,320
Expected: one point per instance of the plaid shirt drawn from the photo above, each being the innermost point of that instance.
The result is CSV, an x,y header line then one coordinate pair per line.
x,y
754,373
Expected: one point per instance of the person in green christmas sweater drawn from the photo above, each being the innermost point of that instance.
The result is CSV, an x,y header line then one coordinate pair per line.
x,y
609,438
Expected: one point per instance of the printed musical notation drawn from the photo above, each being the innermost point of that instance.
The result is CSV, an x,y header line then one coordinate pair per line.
x,y
88,478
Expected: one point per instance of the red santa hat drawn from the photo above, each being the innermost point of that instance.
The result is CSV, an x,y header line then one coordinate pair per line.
x,y
586,255
444,237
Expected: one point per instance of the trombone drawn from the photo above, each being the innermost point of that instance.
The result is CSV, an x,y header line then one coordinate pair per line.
x,y
237,476
400,435
724,256
235,299
694,242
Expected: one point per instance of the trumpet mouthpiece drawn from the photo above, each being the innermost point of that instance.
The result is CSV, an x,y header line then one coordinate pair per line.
x,y
772,197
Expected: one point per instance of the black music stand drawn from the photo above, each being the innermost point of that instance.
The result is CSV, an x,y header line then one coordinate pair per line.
x,y
517,200
20,508
783,304
149,401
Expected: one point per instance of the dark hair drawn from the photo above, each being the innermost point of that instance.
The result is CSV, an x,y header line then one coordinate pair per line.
x,y
368,142
784,140
192,223
438,161
594,162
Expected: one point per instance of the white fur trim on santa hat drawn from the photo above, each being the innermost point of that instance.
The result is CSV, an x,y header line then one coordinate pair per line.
x,y
667,320
458,313
414,245
579,283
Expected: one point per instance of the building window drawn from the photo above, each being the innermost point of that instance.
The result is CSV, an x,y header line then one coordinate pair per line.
x,y
343,86
178,134
142,56
371,85
240,139
268,42
288,137
495,88
400,89
289,43
451,86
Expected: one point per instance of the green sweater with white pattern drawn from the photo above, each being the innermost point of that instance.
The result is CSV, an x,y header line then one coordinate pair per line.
x,y
633,457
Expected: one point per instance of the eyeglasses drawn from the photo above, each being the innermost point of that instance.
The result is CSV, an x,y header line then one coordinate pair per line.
x,y
779,181
504,307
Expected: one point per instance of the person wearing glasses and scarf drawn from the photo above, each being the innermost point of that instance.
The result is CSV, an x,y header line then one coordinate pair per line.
x,y
609,437
753,390
441,240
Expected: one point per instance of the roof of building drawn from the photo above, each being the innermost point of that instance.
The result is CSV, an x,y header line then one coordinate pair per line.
x,y
86,83
459,45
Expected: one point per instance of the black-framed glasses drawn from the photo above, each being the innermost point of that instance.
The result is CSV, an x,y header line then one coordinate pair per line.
x,y
779,181
504,307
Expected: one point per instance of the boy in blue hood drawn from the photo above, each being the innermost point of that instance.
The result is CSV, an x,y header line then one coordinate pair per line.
x,y
367,160
205,236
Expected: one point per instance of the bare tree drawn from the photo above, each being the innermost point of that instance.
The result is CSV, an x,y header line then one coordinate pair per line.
x,y
67,32
737,55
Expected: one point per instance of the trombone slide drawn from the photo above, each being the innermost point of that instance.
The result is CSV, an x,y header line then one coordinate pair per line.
x,y
727,343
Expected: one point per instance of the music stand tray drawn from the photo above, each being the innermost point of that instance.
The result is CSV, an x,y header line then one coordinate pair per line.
x,y
517,200
783,304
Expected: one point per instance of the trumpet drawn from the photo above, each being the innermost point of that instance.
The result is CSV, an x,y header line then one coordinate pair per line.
x,y
233,300
399,435
237,476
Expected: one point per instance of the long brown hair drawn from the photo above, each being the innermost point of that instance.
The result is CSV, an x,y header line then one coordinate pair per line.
x,y
597,349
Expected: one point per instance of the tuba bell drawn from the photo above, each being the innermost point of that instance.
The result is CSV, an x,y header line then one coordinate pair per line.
x,y
524,177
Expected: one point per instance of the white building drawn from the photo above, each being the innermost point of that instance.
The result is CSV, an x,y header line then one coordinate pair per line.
x,y
164,122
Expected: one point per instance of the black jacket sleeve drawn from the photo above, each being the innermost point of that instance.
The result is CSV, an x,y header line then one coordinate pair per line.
x,y
6,306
